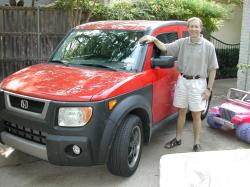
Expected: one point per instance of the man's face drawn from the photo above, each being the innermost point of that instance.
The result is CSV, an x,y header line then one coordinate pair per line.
x,y
194,29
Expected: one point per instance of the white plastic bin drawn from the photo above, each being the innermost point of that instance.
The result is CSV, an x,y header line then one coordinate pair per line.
x,y
229,168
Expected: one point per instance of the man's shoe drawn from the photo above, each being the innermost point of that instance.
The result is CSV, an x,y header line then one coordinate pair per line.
x,y
172,143
197,148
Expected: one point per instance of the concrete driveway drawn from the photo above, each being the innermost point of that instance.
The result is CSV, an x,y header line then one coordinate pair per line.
x,y
19,169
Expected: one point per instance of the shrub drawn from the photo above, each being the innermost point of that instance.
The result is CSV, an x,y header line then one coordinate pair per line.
x,y
228,60
211,13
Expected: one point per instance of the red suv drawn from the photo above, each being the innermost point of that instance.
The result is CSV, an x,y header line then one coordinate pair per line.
x,y
101,94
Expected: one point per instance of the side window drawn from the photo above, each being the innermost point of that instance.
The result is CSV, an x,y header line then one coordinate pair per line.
x,y
185,34
168,37
165,38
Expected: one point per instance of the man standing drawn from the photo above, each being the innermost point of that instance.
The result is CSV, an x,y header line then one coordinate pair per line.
x,y
196,61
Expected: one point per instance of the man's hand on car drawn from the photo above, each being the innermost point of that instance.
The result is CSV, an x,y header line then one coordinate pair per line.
x,y
147,39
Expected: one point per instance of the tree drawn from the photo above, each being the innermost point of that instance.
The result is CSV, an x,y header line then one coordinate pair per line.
x,y
91,11
211,13
78,8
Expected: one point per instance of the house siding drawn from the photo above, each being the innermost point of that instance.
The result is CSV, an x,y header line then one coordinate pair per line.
x,y
243,79
230,31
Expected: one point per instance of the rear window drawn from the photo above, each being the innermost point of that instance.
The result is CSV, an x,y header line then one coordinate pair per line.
x,y
168,37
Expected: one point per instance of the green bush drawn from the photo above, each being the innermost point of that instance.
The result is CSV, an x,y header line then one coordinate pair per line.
x,y
100,11
211,13
228,60
62,4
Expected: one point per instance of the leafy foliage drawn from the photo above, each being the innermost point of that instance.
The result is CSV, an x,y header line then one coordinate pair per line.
x,y
228,59
81,8
62,4
211,13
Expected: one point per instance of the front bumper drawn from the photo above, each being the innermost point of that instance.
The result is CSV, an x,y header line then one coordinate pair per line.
x,y
23,145
58,149
43,138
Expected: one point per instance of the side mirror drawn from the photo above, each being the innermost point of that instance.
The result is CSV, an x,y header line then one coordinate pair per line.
x,y
163,62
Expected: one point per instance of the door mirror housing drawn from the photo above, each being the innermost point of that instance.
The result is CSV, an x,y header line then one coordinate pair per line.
x,y
163,62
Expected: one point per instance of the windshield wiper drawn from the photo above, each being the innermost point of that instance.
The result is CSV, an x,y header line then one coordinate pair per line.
x,y
97,65
59,61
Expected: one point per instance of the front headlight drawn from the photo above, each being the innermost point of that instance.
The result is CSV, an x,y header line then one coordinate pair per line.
x,y
74,116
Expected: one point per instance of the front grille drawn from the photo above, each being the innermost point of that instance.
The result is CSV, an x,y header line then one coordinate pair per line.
x,y
26,104
26,133
226,114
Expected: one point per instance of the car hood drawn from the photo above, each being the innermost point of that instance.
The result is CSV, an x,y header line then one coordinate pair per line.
x,y
57,82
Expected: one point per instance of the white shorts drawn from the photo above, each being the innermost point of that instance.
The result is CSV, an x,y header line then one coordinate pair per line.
x,y
188,94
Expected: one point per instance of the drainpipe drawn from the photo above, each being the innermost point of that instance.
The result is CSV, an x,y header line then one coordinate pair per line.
x,y
248,62
38,30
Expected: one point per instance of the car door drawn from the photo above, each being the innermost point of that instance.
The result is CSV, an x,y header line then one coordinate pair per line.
x,y
164,80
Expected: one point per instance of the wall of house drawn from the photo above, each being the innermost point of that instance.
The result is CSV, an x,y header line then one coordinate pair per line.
x,y
231,29
243,77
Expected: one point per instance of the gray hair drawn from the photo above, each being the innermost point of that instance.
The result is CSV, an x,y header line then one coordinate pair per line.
x,y
194,19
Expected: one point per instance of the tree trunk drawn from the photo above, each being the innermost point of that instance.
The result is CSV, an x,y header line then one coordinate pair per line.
x,y
91,11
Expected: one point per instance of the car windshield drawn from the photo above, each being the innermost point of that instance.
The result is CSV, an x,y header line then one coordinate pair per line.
x,y
239,96
112,49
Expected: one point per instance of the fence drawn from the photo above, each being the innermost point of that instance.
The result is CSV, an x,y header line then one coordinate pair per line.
x,y
228,57
29,36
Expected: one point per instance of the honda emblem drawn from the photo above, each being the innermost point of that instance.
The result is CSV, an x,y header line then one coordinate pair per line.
x,y
24,104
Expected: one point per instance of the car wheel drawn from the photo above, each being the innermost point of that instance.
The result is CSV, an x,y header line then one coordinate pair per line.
x,y
204,112
243,132
126,150
210,121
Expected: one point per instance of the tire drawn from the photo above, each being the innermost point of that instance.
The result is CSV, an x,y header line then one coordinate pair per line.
x,y
204,112
243,132
127,146
211,123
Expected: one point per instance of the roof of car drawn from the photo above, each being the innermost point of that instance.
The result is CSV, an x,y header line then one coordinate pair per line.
x,y
128,25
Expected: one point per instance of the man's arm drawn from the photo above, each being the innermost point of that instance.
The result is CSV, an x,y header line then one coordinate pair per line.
x,y
158,43
211,78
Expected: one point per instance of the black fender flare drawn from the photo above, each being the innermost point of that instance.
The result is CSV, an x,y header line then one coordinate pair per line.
x,y
123,108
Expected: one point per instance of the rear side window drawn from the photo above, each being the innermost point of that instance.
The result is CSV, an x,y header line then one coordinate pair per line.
x,y
165,38
168,37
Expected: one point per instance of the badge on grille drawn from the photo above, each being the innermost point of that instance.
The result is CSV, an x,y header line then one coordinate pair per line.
x,y
24,104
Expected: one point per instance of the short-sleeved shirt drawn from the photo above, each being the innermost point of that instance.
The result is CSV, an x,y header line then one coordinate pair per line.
x,y
193,58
